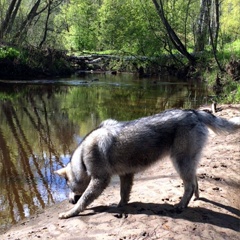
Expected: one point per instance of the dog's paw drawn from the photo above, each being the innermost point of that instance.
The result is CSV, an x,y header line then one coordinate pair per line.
x,y
63,215
196,198
178,208
68,214
122,204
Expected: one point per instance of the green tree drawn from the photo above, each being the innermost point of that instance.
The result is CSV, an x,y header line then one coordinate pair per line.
x,y
28,22
149,27
80,21
130,26
230,20
171,33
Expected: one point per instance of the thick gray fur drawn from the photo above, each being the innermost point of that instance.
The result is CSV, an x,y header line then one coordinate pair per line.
x,y
125,148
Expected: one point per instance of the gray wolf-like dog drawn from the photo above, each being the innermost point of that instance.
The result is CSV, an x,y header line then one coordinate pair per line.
x,y
125,148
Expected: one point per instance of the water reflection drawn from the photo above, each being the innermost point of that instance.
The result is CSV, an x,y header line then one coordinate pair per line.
x,y
41,124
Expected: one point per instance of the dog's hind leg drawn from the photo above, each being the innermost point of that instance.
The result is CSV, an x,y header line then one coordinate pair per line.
x,y
189,189
126,181
94,189
196,191
186,167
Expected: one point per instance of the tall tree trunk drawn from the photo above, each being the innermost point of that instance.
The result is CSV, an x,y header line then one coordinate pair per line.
x,y
46,25
185,22
171,34
27,22
213,25
217,22
50,6
11,22
202,26
6,21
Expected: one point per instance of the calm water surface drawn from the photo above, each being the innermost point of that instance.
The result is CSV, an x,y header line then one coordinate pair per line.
x,y
42,121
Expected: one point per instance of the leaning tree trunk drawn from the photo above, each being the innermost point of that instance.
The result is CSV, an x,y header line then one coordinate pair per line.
x,y
27,22
6,21
213,25
46,25
171,33
14,14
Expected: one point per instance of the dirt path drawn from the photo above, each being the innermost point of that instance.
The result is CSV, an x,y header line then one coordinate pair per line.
x,y
150,213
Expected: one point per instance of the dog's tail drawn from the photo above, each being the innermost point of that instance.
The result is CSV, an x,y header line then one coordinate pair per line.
x,y
217,124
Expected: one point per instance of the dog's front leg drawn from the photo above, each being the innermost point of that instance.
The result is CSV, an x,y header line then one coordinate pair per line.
x,y
94,189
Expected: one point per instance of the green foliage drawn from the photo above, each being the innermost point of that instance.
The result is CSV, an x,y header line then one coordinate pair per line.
x,y
230,50
81,25
32,62
230,20
229,90
9,53
47,61
231,93
133,27
126,26
182,15
130,27
6,96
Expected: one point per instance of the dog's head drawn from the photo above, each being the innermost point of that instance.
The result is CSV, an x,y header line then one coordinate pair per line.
x,y
77,180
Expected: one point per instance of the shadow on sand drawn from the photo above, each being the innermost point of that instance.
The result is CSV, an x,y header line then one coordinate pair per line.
x,y
198,214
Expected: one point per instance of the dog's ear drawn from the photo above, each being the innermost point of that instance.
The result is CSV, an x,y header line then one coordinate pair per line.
x,y
61,172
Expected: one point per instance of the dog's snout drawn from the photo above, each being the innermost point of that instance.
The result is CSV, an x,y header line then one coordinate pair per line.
x,y
73,198
71,201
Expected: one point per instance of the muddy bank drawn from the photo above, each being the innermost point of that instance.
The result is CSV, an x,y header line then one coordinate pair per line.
x,y
150,213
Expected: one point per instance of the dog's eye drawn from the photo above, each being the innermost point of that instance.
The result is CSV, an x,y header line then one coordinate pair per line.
x,y
67,182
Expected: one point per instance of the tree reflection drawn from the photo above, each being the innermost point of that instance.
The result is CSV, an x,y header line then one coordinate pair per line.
x,y
30,150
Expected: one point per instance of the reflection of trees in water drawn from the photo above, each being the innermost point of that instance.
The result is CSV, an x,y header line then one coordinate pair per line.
x,y
125,103
29,151
24,152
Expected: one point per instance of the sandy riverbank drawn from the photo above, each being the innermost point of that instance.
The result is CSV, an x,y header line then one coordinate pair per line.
x,y
150,213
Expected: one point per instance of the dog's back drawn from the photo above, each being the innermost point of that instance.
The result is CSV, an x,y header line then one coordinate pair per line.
x,y
134,145
139,143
